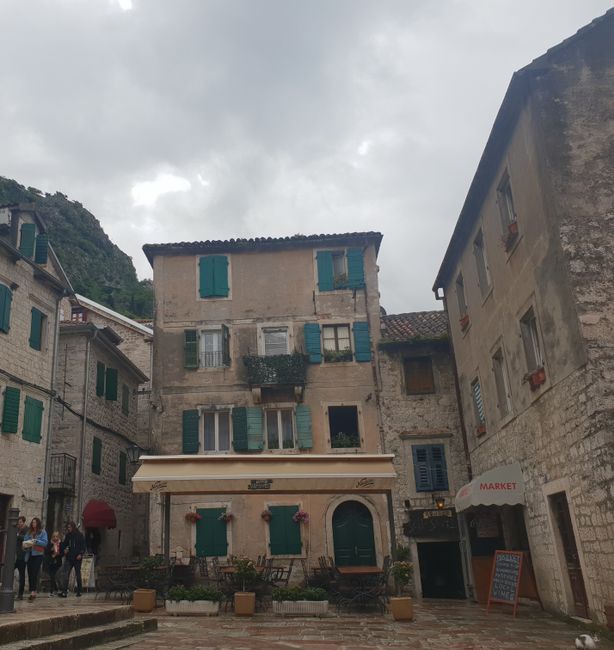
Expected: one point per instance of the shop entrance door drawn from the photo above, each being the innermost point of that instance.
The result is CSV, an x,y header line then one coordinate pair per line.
x,y
353,535
560,509
441,571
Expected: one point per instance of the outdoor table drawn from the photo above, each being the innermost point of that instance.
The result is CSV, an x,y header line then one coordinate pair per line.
x,y
360,586
359,570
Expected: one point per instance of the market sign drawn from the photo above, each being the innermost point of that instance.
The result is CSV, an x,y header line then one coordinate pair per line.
x,y
499,486
431,523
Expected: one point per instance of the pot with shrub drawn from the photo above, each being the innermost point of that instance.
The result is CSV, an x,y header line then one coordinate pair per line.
x,y
149,580
402,606
300,601
245,575
201,601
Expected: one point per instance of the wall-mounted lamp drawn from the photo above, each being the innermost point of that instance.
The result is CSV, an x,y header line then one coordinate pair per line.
x,y
407,504
134,453
440,502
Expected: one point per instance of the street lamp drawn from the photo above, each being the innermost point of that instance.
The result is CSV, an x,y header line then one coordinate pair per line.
x,y
134,453
440,502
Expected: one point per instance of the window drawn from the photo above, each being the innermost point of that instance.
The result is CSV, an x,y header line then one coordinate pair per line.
x,y
530,340
418,376
208,348
111,377
96,456
275,341
32,420
341,269
481,264
343,426
6,298
478,404
125,399
213,276
460,295
122,468
430,469
284,532
336,343
340,276
38,324
506,203
279,428
78,315
501,382
216,425
211,349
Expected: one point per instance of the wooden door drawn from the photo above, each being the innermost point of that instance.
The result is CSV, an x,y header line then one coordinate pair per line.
x,y
562,517
211,533
353,535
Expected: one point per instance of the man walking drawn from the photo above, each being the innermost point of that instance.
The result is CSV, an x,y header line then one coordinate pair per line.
x,y
72,548
20,560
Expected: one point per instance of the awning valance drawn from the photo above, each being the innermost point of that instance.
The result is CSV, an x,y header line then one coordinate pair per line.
x,y
500,486
270,473
99,514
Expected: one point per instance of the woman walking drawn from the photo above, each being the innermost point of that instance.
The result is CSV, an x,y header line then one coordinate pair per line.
x,y
73,549
35,544
54,561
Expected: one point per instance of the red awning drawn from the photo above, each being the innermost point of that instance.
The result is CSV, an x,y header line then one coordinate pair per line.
x,y
99,514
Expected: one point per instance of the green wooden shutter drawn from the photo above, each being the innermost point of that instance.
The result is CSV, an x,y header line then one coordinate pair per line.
x,y
125,399
111,384
206,277
255,431
284,533
362,341
356,268
439,471
10,409
41,251
100,378
36,329
211,533
32,420
6,298
190,425
422,471
239,428
96,455
190,349
220,276
122,468
312,342
303,426
225,345
26,242
324,261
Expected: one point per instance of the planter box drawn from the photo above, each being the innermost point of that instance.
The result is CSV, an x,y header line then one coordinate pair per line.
x,y
245,603
192,607
300,607
144,600
402,608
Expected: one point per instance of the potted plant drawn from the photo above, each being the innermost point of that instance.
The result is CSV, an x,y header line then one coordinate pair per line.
x,y
464,322
300,517
537,378
202,601
245,573
480,429
300,601
192,516
266,514
402,606
147,579
226,517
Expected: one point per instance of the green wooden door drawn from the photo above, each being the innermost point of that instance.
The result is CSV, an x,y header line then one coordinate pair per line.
x,y
284,532
353,535
211,533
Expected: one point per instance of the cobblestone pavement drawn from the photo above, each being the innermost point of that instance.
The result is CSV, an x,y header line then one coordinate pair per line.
x,y
437,625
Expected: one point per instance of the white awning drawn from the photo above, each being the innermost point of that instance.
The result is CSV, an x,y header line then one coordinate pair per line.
x,y
500,486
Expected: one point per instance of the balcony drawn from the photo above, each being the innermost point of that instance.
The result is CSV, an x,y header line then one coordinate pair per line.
x,y
279,371
62,473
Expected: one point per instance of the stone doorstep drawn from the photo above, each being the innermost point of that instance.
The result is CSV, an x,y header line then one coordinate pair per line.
x,y
50,624
88,637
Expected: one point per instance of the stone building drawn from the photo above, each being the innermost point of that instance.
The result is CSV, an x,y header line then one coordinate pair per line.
x,y
95,422
421,424
265,400
32,284
528,286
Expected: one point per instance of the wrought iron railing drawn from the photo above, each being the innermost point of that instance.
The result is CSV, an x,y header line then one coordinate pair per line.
x,y
62,472
277,370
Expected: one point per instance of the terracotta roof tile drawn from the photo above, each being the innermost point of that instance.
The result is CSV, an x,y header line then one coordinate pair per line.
x,y
397,328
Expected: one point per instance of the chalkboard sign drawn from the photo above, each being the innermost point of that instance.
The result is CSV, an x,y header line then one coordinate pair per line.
x,y
505,578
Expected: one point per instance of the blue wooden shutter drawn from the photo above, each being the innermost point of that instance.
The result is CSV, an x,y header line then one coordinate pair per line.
x,y
26,242
96,455
284,533
100,378
422,471
255,432
190,422
324,260
356,268
206,288
10,410
36,329
122,468
239,428
362,341
111,384
42,249
190,349
220,276
303,426
32,420
6,297
312,342
439,471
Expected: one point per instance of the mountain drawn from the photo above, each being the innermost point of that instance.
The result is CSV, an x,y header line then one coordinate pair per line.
x,y
96,267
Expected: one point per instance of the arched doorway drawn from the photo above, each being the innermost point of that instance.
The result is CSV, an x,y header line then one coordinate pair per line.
x,y
353,538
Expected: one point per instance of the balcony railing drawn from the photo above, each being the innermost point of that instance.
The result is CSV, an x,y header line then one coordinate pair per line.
x,y
62,473
278,370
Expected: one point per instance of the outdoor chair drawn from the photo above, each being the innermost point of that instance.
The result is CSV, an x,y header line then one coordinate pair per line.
x,y
280,576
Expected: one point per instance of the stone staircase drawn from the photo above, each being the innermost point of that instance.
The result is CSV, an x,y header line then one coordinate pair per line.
x,y
72,630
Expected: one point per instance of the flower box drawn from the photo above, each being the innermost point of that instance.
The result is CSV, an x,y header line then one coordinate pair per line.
x,y
511,236
537,378
481,430
300,607
192,607
464,322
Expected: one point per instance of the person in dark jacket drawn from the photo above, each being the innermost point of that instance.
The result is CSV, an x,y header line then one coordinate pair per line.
x,y
20,559
72,548
54,561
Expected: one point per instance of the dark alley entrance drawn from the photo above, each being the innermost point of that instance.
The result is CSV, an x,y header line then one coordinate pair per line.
x,y
441,571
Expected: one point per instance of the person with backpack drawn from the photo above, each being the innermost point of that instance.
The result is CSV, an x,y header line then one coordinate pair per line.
x,y
72,549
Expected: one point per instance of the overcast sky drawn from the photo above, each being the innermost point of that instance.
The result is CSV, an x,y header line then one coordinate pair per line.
x,y
188,120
